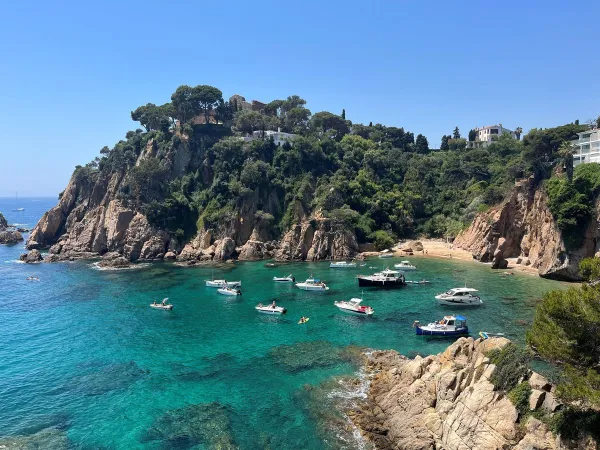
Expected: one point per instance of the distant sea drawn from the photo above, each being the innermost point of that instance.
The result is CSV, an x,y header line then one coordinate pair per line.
x,y
85,363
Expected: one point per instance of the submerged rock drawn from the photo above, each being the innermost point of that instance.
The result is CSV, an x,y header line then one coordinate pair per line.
x,y
313,354
49,438
206,425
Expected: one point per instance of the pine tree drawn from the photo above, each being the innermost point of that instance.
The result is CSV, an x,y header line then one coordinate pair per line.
x,y
370,124
444,146
344,114
421,144
456,133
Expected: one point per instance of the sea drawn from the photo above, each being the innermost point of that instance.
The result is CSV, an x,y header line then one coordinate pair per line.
x,y
85,363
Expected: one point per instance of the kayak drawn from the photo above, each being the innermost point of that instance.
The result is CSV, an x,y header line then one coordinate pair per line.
x,y
303,321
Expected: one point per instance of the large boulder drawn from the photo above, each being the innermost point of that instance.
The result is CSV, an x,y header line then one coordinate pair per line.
x,y
115,263
225,249
3,222
34,256
10,237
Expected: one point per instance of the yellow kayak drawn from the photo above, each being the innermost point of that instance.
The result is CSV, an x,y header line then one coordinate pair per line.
x,y
303,321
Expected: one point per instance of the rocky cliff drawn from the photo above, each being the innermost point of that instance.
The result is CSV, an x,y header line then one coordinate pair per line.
x,y
92,219
446,401
523,227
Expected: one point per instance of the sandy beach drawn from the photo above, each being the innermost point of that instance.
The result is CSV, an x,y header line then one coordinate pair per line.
x,y
440,249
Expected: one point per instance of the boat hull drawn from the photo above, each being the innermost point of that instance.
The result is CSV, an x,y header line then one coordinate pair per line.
x,y
312,288
218,284
232,293
344,266
427,332
362,282
164,308
354,312
272,312
283,280
449,302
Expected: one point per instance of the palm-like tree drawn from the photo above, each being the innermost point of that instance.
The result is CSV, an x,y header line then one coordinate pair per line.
x,y
566,152
518,132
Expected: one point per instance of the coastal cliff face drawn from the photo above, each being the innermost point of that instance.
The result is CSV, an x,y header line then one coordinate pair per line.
x,y
91,220
447,401
523,227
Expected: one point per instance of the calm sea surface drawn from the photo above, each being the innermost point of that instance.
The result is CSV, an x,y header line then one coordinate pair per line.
x,y
86,363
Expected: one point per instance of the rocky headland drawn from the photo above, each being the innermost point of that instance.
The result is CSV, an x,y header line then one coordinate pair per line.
x,y
447,401
522,227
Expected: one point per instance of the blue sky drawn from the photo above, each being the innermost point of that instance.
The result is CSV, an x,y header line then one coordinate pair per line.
x,y
71,73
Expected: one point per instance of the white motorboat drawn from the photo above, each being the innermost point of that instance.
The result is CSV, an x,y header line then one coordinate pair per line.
x,y
219,283
448,326
288,279
405,265
226,290
270,309
353,306
385,255
341,264
459,297
312,284
161,305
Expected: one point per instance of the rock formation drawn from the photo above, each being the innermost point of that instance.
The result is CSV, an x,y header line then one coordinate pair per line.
x,y
34,256
523,227
447,401
8,235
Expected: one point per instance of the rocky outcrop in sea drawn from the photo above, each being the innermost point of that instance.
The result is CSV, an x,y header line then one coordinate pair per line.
x,y
8,234
522,227
447,401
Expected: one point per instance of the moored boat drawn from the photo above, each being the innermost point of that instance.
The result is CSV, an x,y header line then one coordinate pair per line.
x,y
226,290
341,264
459,297
405,265
387,279
385,255
270,309
161,305
288,279
312,284
219,283
353,306
448,326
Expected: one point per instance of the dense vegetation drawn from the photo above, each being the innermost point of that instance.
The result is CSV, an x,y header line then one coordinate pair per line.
x,y
566,331
379,180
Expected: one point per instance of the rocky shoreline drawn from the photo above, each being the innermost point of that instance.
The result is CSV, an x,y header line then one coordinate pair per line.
x,y
447,401
10,234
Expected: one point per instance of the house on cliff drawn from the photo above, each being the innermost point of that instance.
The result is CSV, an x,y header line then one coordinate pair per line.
x,y
485,135
279,137
587,147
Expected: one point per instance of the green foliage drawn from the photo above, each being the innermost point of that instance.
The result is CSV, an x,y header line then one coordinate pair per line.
x,y
472,135
512,366
589,269
519,396
382,240
571,423
571,203
565,330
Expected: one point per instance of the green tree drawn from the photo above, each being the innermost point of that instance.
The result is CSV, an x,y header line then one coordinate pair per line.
x,y
566,152
204,99
247,121
182,102
421,144
344,114
456,133
565,330
472,135
382,240
444,145
324,121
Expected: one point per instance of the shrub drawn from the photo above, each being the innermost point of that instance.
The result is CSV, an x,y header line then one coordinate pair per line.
x,y
519,396
512,366
382,239
574,424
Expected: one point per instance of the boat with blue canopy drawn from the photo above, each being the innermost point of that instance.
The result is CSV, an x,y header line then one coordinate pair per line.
x,y
448,326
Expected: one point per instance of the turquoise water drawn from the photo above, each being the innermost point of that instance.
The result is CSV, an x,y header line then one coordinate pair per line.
x,y
86,363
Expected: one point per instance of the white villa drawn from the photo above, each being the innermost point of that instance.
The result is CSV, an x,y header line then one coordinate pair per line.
x,y
279,137
587,147
485,134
